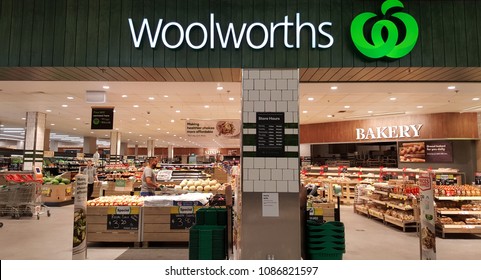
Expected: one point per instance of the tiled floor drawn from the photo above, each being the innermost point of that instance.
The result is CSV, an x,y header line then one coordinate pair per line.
x,y
50,239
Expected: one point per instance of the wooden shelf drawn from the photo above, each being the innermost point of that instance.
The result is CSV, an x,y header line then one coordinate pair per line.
x,y
378,201
457,198
376,214
459,212
380,192
398,207
362,210
398,196
398,222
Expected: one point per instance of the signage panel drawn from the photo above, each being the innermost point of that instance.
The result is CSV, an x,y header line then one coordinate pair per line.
x,y
102,118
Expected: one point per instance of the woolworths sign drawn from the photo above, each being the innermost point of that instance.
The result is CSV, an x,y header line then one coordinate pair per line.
x,y
230,35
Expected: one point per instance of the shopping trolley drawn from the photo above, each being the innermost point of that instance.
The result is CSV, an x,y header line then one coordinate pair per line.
x,y
21,196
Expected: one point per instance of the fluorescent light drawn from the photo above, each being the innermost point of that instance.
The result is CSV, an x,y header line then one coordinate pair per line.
x,y
310,98
124,96
333,87
392,98
476,99
105,87
136,106
65,105
151,98
347,106
70,97
420,107
304,112
451,87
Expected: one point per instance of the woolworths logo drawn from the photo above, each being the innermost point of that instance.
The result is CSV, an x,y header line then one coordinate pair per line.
x,y
385,32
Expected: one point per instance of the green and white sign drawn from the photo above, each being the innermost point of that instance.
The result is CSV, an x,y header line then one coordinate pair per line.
x,y
385,33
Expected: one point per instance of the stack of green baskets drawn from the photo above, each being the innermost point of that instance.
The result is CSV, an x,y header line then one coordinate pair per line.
x,y
325,241
207,238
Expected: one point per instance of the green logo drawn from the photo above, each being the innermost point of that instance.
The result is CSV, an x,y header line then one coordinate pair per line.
x,y
387,45
96,121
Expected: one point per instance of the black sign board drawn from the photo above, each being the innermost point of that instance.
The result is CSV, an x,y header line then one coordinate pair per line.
x,y
441,152
182,221
123,221
477,178
270,134
102,118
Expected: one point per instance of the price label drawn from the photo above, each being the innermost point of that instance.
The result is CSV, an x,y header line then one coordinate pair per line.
x,y
182,221
464,213
123,222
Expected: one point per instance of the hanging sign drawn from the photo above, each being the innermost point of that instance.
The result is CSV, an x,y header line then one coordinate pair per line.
x,y
427,217
213,128
102,118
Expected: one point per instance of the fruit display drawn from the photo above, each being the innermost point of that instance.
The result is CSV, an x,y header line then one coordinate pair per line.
x,y
57,180
200,185
120,200
461,190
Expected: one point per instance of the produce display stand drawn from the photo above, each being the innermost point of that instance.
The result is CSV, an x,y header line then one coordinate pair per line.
x,y
57,195
157,226
114,224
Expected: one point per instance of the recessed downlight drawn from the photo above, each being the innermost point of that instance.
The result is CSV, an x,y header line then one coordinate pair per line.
x,y
177,111
65,105
231,98
304,112
420,106
369,112
476,99
310,98
334,88
124,96
78,119
136,106
105,87
452,87
330,116
70,97
151,98
48,111
347,107
393,98
206,106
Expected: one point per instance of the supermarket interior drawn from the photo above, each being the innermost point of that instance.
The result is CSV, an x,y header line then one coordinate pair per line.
x,y
240,130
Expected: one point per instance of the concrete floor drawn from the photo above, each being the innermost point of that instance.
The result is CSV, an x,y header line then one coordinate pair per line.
x,y
50,238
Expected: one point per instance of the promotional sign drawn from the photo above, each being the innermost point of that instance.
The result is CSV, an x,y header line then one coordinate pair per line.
x,y
429,152
123,218
427,217
182,216
270,134
164,175
213,128
102,118
79,251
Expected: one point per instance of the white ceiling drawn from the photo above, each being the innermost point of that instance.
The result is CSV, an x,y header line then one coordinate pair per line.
x,y
152,119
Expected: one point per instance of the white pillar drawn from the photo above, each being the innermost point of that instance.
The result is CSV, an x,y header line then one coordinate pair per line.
x,y
90,145
170,153
115,155
34,140
150,148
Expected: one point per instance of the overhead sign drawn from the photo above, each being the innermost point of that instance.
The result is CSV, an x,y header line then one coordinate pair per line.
x,y
213,128
388,132
258,35
385,32
102,118
430,152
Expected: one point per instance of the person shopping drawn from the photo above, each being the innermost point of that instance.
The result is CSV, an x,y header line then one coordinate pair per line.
x,y
149,183
91,173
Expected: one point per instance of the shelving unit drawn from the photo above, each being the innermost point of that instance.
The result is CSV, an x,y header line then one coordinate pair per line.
x,y
458,214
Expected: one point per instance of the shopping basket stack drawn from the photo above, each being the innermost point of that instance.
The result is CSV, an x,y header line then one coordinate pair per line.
x,y
207,238
325,241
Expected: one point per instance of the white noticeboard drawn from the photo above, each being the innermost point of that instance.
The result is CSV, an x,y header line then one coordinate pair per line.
x,y
427,217
270,205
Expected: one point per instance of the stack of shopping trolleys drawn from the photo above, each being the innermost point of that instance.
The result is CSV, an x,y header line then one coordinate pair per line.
x,y
207,238
20,196
325,241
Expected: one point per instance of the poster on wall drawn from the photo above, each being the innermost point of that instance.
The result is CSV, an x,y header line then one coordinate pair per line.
x,y
213,128
428,152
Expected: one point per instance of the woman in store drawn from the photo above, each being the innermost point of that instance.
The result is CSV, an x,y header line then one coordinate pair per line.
x,y
149,183
91,173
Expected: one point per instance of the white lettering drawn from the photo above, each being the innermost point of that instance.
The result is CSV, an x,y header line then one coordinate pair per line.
x,y
370,132
416,129
212,34
360,134
299,26
248,35
404,131
393,132
286,25
324,33
181,36
187,35
230,30
380,132
145,25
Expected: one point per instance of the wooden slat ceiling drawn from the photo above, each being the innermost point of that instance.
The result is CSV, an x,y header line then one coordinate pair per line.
x,y
358,74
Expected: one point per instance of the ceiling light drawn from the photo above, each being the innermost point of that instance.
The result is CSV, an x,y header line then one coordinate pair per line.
x,y
172,121
52,124
130,132
124,96
48,111
420,107
105,87
74,128
134,119
451,87
70,97
158,128
177,111
148,124
166,96
1,125
476,99
140,135
330,116
369,112
151,98
78,119
206,106
65,105
91,132
175,135
220,87
305,112
310,98
347,106
106,135
392,98
168,132
136,106
231,98
23,118
333,87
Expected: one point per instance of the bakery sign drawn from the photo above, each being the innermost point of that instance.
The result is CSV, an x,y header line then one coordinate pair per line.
x,y
389,132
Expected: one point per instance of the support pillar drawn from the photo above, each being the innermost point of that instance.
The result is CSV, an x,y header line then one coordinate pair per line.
x,y
34,140
170,153
124,148
478,145
136,150
115,155
150,148
46,140
270,166
90,145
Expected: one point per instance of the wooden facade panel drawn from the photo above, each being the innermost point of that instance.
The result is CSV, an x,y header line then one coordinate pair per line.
x,y
168,237
434,127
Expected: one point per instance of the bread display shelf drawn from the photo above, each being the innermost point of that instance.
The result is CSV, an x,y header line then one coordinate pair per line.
x,y
378,201
458,198
399,207
380,192
361,210
398,196
376,214
459,212
399,222
471,229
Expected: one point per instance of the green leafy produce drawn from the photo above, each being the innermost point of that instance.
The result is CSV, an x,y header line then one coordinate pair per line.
x,y
65,181
55,182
